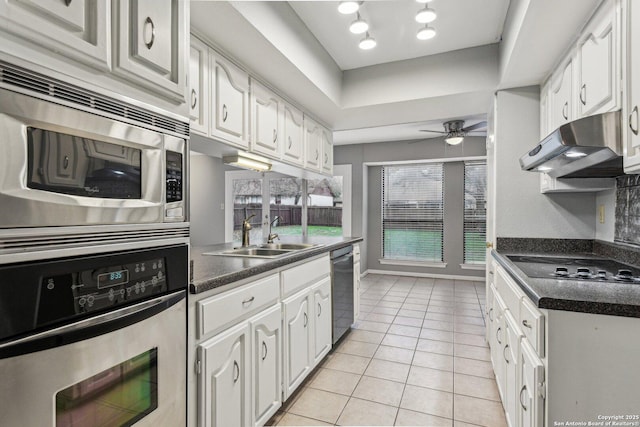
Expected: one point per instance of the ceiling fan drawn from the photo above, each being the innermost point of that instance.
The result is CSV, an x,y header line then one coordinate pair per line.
x,y
455,130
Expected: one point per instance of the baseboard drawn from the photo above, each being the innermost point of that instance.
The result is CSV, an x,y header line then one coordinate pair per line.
x,y
434,276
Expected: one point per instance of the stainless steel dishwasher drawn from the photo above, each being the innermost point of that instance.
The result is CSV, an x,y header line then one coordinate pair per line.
x,y
342,290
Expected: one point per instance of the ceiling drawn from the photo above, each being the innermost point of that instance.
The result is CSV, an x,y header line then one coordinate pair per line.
x,y
460,24
305,52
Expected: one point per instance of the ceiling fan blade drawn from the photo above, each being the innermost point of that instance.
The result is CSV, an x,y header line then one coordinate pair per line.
x,y
479,125
433,131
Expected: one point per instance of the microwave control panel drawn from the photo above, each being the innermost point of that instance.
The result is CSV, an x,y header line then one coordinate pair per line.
x,y
174,177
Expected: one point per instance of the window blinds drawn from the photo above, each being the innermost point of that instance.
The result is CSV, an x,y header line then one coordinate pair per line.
x,y
412,212
475,212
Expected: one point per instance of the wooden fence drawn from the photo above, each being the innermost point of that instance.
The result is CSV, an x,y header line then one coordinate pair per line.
x,y
289,215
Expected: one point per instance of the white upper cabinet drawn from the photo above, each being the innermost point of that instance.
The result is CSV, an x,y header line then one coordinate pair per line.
x,y
229,102
631,119
76,29
152,40
561,96
266,112
598,71
327,151
292,135
199,86
313,144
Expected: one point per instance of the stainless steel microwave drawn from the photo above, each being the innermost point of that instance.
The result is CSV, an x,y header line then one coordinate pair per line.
x,y
60,166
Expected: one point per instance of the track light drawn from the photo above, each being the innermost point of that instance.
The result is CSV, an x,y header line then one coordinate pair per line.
x,y
358,26
426,33
426,15
367,43
348,7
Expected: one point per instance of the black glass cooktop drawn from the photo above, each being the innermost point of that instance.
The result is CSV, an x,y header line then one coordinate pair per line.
x,y
598,269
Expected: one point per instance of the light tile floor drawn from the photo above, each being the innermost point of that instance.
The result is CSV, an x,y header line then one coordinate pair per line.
x,y
416,357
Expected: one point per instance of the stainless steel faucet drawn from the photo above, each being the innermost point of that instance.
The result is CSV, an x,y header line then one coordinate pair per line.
x,y
273,235
246,226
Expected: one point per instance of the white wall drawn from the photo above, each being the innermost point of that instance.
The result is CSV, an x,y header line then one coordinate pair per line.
x,y
521,211
206,193
607,199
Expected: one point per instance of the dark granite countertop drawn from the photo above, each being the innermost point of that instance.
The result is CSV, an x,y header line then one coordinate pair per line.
x,y
611,298
212,271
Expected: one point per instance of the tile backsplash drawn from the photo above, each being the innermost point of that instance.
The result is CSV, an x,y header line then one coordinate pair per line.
x,y
627,226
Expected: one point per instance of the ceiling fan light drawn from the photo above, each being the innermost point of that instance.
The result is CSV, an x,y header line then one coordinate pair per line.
x,y
426,33
426,15
453,139
367,43
359,26
348,7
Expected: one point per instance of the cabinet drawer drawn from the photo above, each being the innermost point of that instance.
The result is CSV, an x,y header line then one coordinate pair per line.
x,y
509,291
532,325
223,310
298,277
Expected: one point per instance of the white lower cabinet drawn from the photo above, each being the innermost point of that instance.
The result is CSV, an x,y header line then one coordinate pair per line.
x,y
322,319
266,362
531,393
297,340
224,379
510,355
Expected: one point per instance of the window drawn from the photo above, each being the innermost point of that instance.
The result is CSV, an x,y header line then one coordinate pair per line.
x,y
324,206
412,212
475,212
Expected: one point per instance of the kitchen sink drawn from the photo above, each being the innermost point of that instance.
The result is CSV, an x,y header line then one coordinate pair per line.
x,y
265,250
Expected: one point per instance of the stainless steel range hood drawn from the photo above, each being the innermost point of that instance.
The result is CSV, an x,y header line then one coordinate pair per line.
x,y
590,147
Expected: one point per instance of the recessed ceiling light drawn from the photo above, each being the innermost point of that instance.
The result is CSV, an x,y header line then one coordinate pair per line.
x,y
424,1
359,26
426,33
348,7
426,15
367,43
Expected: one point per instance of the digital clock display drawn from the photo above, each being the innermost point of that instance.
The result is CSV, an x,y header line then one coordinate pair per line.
x,y
113,278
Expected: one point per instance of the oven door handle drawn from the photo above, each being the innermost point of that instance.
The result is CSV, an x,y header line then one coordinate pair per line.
x,y
89,328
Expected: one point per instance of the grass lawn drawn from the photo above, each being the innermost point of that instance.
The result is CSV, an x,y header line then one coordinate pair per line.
x,y
312,230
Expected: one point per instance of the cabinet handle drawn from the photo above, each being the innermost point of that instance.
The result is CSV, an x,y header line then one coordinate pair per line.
x,y
497,336
65,164
504,353
275,135
149,43
306,320
290,142
583,91
236,372
634,112
224,112
565,110
326,158
524,387
264,347
319,309
490,311
194,98
317,154
248,300
526,324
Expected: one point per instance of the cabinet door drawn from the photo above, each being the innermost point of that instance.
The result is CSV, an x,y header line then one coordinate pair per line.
x,y
313,144
498,342
561,93
224,379
632,118
598,75
266,361
510,354
78,30
356,291
230,102
532,392
293,135
297,340
327,151
152,42
322,326
265,120
199,87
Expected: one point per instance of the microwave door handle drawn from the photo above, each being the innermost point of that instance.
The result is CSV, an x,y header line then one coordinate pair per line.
x,y
92,327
